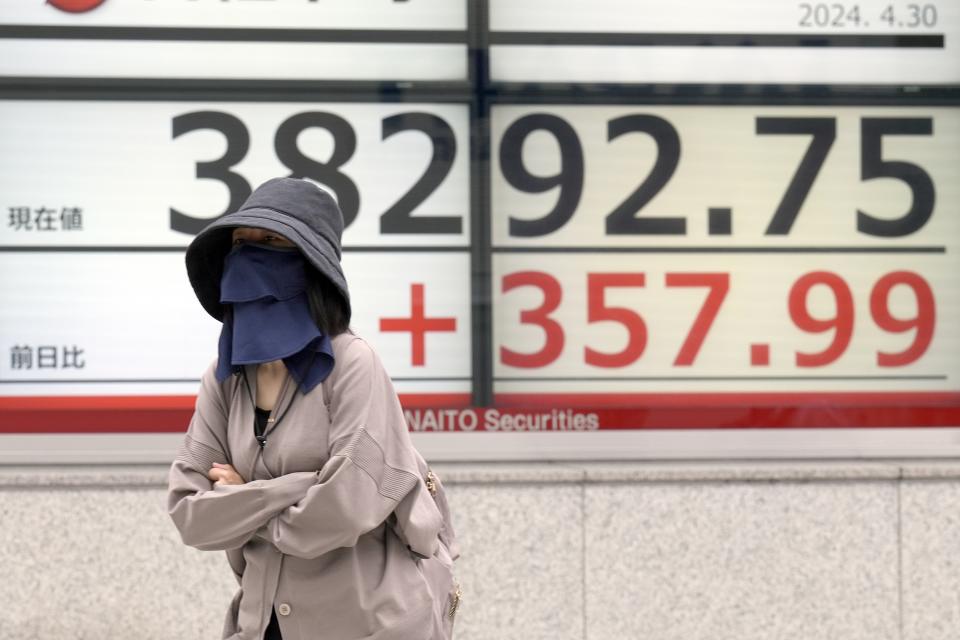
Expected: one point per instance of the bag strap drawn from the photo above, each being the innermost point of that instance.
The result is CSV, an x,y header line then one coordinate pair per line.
x,y
432,481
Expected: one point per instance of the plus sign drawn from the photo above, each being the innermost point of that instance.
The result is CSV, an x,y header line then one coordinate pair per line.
x,y
418,324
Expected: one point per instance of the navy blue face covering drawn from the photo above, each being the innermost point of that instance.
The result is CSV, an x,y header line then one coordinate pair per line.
x,y
270,319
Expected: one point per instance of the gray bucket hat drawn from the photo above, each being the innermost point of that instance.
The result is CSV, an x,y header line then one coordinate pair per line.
x,y
297,209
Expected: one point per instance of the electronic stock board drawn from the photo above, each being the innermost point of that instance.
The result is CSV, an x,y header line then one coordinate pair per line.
x,y
614,229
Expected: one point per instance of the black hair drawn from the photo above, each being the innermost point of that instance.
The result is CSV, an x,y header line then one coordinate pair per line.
x,y
327,306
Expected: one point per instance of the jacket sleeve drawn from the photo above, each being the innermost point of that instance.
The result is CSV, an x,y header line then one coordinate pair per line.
x,y
221,517
372,470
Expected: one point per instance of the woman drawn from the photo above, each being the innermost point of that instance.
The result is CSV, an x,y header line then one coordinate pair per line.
x,y
297,461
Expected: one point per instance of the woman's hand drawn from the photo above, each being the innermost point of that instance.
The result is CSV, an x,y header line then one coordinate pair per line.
x,y
224,474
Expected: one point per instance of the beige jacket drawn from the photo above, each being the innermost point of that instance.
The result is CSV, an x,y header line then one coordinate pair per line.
x,y
334,513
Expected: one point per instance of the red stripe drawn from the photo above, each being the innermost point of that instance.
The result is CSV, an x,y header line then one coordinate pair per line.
x,y
731,417
435,400
786,417
87,403
646,400
138,414
171,414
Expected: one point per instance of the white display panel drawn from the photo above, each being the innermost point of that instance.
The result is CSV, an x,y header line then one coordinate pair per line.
x,y
724,250
100,198
704,16
128,324
396,168
130,321
791,271
135,39
723,176
727,324
279,14
748,41
232,60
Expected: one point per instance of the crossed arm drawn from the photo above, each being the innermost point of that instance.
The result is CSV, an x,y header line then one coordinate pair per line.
x,y
370,473
305,514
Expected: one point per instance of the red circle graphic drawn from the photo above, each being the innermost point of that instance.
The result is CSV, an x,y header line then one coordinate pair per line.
x,y
75,6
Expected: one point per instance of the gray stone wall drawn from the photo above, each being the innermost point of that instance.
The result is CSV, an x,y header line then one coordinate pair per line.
x,y
599,551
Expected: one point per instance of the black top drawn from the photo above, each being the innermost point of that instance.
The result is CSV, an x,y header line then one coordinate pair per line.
x,y
260,423
259,426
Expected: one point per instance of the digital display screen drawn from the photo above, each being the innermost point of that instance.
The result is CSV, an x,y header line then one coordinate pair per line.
x,y
237,39
607,230
107,243
745,249
747,41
